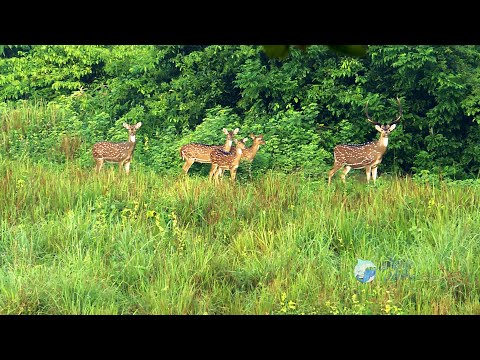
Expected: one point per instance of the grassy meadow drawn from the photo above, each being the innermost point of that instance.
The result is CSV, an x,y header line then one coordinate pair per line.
x,y
74,242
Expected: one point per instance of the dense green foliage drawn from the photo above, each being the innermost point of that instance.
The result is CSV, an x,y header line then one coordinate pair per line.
x,y
74,242
304,104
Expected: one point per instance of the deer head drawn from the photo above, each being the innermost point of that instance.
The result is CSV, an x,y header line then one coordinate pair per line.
x,y
230,137
385,130
257,139
250,152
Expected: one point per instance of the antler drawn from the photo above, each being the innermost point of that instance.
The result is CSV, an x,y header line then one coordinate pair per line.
x,y
369,118
397,120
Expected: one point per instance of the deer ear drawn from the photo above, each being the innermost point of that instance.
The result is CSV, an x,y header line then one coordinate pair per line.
x,y
252,136
236,141
245,140
138,125
393,126
378,128
125,125
236,131
225,131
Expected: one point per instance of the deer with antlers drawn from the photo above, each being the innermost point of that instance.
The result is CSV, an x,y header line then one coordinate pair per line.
x,y
195,152
367,155
120,152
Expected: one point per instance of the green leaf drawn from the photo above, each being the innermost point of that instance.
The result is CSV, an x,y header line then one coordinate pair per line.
x,y
276,51
351,50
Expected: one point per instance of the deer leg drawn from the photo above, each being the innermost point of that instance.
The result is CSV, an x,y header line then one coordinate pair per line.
x,y
220,173
216,177
345,171
187,165
336,167
374,174
213,169
98,165
233,174
127,167
368,170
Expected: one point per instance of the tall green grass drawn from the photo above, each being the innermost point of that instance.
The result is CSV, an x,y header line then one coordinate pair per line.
x,y
76,242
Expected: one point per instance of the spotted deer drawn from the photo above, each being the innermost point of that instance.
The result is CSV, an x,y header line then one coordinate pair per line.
x,y
367,155
222,160
250,152
120,152
195,152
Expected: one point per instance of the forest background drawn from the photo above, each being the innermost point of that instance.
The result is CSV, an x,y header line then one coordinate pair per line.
x,y
304,104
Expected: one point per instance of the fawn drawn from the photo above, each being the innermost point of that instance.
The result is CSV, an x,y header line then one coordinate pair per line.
x,y
120,152
222,160
250,152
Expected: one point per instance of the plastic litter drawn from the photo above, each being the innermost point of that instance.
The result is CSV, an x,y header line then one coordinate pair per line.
x,y
364,271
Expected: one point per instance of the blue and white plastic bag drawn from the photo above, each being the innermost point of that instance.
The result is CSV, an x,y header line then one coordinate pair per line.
x,y
364,271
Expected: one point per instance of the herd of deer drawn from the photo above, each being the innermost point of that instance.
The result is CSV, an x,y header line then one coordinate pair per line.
x,y
348,156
